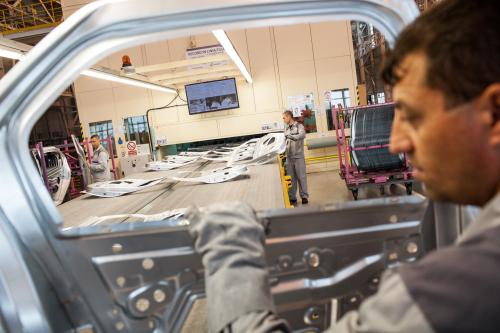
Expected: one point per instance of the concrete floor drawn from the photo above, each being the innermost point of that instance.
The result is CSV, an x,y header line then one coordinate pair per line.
x,y
327,187
170,195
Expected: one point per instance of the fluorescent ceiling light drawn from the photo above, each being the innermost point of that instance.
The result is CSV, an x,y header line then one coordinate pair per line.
x,y
231,51
12,54
98,74
7,51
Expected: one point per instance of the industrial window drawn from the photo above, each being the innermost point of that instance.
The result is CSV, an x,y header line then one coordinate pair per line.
x,y
104,129
379,98
338,96
136,129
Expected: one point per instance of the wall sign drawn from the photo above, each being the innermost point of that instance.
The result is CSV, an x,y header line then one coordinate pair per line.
x,y
131,148
161,141
298,103
205,51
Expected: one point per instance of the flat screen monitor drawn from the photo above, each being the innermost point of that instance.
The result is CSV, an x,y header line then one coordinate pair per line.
x,y
212,96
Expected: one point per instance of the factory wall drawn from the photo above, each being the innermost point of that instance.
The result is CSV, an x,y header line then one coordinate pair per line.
x,y
284,61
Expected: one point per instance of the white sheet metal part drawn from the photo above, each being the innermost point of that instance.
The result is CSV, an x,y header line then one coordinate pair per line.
x,y
171,162
213,176
166,215
58,172
193,153
224,150
241,156
180,158
116,188
265,149
270,143
238,153
212,156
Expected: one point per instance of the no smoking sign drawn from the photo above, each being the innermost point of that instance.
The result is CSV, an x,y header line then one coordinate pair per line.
x,y
131,148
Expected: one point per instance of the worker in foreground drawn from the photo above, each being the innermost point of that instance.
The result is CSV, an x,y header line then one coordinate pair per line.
x,y
445,71
295,159
99,166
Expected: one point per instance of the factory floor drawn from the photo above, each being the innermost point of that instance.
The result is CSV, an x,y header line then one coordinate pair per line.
x,y
171,194
327,187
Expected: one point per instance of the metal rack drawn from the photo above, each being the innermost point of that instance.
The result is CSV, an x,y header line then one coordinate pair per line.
x,y
348,170
77,183
20,16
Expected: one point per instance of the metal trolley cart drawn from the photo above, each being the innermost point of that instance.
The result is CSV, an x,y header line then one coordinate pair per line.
x,y
363,148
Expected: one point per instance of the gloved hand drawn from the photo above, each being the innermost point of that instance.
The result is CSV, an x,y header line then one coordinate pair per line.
x,y
230,240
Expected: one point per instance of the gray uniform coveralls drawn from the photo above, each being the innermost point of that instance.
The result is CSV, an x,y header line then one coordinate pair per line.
x,y
454,289
295,160
99,166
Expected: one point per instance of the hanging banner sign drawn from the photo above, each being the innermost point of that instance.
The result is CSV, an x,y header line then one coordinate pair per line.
x,y
206,51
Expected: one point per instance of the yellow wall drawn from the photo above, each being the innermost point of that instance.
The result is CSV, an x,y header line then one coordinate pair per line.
x,y
283,61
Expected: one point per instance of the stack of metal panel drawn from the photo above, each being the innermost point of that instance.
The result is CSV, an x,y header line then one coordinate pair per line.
x,y
370,132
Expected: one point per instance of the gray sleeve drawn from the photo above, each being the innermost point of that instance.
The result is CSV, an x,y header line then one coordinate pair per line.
x,y
391,310
231,242
102,162
299,136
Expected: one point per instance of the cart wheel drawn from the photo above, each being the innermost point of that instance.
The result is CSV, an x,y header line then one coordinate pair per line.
x,y
409,188
355,193
382,190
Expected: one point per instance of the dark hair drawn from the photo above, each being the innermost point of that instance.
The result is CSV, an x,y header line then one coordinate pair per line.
x,y
95,136
461,40
289,113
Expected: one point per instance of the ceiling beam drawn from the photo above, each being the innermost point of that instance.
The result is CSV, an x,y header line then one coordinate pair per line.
x,y
104,73
47,11
7,26
204,77
192,72
180,85
181,63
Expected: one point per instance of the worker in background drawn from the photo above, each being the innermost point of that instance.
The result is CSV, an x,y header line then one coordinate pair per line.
x,y
99,166
445,73
295,159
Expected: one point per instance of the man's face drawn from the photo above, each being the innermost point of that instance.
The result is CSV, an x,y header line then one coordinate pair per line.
x,y
450,149
286,118
95,143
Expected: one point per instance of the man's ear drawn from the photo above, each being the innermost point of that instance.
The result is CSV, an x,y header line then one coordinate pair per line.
x,y
490,106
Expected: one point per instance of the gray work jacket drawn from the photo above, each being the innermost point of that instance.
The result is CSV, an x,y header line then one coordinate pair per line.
x,y
453,289
99,166
295,135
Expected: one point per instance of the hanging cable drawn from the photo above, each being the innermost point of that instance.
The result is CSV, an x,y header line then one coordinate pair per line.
x,y
166,106
182,99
